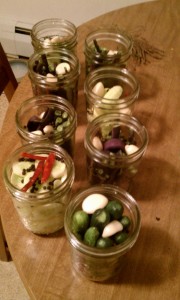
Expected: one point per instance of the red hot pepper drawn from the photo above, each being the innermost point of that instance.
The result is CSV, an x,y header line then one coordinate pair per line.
x,y
48,165
32,156
37,173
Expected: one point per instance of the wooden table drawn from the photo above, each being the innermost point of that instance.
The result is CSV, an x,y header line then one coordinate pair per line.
x,y
152,270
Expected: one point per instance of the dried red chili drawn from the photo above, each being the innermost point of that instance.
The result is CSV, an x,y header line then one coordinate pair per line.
x,y
48,165
37,173
32,156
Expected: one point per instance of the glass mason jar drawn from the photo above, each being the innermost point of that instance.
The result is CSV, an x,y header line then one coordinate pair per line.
x,y
101,264
55,72
108,78
115,145
54,34
47,118
41,208
107,46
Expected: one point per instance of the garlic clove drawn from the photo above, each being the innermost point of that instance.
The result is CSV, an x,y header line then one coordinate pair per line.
x,y
112,228
63,68
93,202
130,149
98,89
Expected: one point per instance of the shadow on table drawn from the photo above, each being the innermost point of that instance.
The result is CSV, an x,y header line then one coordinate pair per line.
x,y
156,126
155,177
143,266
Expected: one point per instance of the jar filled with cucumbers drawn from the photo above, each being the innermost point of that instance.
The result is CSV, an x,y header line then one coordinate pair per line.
x,y
55,72
47,118
39,177
107,47
115,145
110,89
102,224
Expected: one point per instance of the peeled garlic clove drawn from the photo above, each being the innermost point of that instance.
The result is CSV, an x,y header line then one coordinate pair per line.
x,y
50,78
62,68
46,42
97,143
112,52
113,93
41,116
93,202
37,132
112,228
48,129
98,89
130,149
55,39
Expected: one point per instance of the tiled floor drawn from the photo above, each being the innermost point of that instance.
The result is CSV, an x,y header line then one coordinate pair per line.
x,y
3,108
11,286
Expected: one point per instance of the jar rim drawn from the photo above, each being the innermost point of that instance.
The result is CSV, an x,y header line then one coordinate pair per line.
x,y
65,54
108,72
127,121
126,199
68,27
52,101
111,33
39,148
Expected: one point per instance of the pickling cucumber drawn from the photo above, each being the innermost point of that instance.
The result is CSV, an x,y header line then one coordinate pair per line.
x,y
91,236
115,209
100,218
80,222
104,243
125,221
120,237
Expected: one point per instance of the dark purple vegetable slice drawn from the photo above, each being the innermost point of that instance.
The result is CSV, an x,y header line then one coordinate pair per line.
x,y
114,145
33,123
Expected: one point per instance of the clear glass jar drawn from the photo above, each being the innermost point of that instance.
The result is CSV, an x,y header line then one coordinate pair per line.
x,y
54,34
47,118
101,264
113,163
110,77
40,212
44,79
107,46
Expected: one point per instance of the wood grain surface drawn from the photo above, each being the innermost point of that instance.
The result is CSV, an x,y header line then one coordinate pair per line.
x,y
152,270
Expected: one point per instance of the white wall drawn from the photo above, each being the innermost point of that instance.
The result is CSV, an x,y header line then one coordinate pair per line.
x,y
76,11
25,13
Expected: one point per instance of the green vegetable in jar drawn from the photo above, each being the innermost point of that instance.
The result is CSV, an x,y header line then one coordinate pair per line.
x,y
80,222
100,218
125,221
91,236
120,237
103,243
115,209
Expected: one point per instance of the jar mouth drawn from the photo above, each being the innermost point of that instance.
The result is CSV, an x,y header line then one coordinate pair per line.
x,y
40,104
37,149
130,204
114,119
54,27
54,56
118,39
111,76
